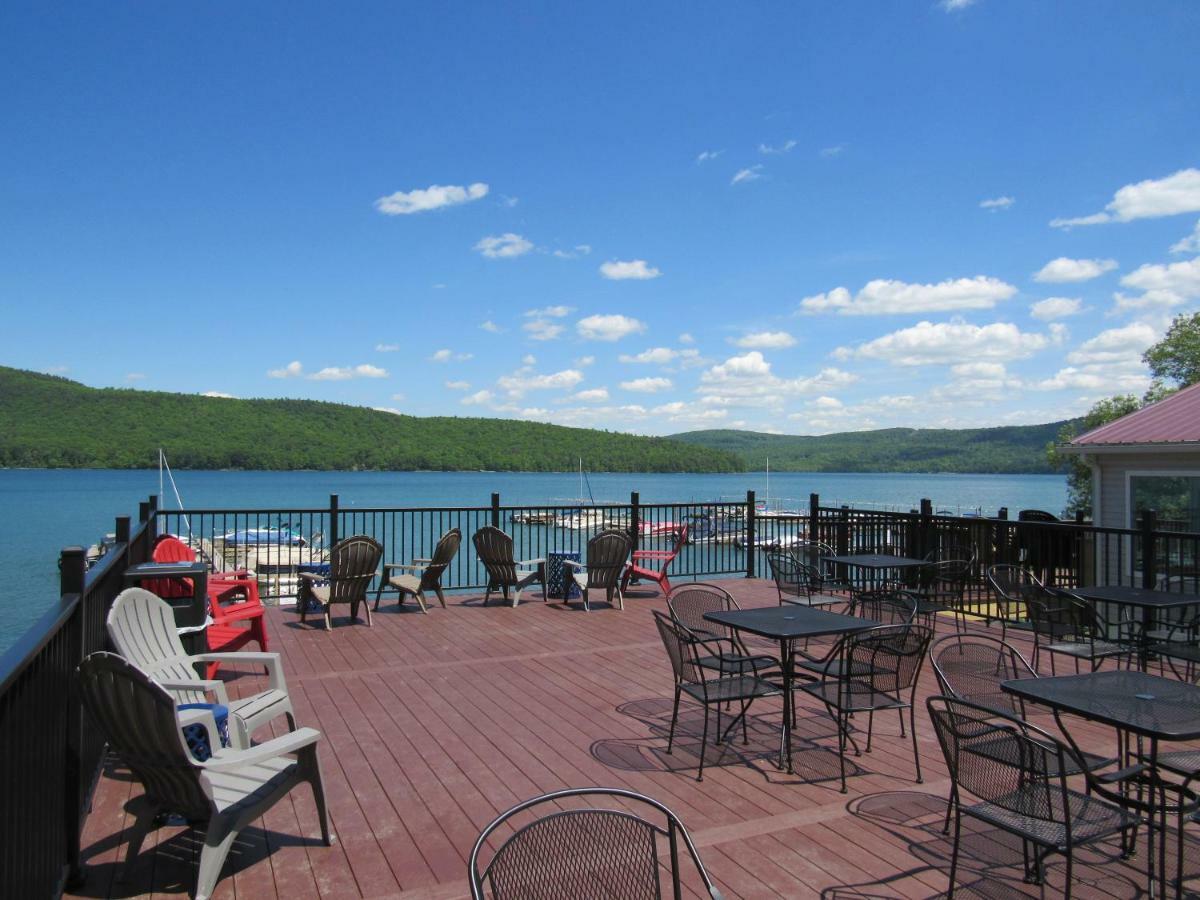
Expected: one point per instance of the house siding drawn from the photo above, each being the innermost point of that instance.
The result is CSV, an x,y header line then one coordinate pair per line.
x,y
1114,512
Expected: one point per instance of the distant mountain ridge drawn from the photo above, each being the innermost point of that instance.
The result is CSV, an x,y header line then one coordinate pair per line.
x,y
49,421
1010,449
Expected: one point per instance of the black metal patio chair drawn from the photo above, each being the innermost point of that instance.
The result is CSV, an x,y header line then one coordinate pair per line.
x,y
1013,587
591,851
813,553
689,602
692,677
878,671
1066,625
1018,773
798,582
939,589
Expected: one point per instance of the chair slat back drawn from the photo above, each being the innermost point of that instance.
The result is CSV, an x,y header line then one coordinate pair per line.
x,y
352,566
138,719
142,628
495,550
443,553
606,555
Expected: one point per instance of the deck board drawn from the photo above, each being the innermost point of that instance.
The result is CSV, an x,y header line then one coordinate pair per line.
x,y
433,724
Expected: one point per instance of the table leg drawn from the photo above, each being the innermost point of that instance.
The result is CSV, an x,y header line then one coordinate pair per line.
x,y
786,667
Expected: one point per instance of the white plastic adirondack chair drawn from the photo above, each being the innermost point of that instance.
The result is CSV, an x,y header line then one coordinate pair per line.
x,y
225,793
142,628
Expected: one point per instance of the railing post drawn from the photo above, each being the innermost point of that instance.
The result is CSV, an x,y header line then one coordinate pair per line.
x,y
495,509
814,517
333,520
843,531
121,530
152,518
750,569
72,564
925,536
1149,549
635,517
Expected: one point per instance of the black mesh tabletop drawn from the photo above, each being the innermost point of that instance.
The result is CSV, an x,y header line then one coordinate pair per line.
x,y
1144,704
876,561
783,623
1140,597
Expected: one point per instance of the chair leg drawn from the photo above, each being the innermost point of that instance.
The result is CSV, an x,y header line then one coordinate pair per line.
x,y
912,727
843,729
954,853
312,764
442,597
674,719
703,745
328,618
217,841
367,610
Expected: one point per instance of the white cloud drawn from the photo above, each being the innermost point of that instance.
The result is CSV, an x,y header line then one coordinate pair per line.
x,y
542,330
291,370
1063,269
479,398
508,201
387,348
708,156
608,328
655,356
492,327
399,396
747,380
950,342
219,394
1114,345
345,373
686,338
647,385
584,361
1150,199
831,152
1095,379
435,196
575,252
1162,286
1055,308
749,174
388,409
549,312
785,147
885,297
955,5
593,395
997,203
504,246
528,360
764,340
1189,244
445,356
637,269
521,381
458,385
135,376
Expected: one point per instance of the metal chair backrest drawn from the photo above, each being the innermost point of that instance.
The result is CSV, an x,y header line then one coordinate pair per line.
x,y
606,556
886,659
495,550
443,553
584,852
1013,586
888,607
972,666
138,719
142,628
947,576
681,649
352,566
689,602
793,576
1003,760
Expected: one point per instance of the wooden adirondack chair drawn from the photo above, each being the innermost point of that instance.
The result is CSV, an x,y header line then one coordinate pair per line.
x,y
352,565
430,571
653,565
606,555
225,793
142,628
495,550
238,616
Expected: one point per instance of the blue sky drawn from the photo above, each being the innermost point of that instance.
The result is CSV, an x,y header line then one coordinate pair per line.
x,y
644,217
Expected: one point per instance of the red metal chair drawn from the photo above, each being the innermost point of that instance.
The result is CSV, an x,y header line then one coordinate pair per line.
x,y
233,602
639,563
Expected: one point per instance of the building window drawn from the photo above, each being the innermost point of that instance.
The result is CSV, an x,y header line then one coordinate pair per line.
x,y
1175,499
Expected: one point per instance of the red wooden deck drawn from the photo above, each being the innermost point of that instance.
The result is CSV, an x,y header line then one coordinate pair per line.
x,y
435,723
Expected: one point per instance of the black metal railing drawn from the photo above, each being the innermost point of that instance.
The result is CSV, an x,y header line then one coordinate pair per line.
x,y
49,756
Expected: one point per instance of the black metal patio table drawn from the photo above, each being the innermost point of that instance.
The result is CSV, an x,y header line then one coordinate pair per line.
x,y
1149,601
875,563
1150,707
788,624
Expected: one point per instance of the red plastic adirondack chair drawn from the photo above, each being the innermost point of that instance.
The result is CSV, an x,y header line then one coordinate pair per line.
x,y
233,602
653,564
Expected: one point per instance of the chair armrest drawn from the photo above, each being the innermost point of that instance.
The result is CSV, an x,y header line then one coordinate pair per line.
x,y
413,566
530,562
653,554
205,719
272,661
311,576
422,559
217,688
228,760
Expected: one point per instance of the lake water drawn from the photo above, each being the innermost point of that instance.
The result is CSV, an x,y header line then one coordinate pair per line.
x,y
44,510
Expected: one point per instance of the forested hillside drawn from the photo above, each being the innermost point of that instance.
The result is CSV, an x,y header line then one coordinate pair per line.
x,y
1018,448
47,421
